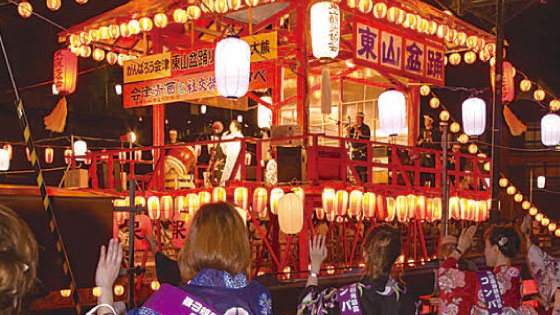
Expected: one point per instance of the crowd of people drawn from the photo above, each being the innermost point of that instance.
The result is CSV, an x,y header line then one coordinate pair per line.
x,y
211,275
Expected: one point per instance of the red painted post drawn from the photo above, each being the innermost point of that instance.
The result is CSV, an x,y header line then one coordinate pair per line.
x,y
158,118
302,68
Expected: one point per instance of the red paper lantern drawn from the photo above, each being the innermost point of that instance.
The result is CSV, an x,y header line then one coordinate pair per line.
x,y
341,202
390,209
356,204
67,156
420,208
8,147
49,155
65,71
402,208
260,196
508,83
369,204
328,199
320,213
454,210
381,211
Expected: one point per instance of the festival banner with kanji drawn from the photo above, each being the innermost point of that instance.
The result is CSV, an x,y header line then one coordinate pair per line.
x,y
190,86
147,68
399,52
263,46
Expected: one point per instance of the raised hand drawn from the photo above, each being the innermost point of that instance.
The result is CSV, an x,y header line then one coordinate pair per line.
x,y
110,259
466,238
317,252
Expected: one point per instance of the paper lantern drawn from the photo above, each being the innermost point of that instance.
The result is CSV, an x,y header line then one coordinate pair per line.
x,y
451,36
85,51
290,213
425,90
328,197
180,16
275,195
4,160
473,148
54,5
518,197
442,31
180,205
436,211
454,127
380,10
134,27
470,57
391,209
49,155
539,94
421,24
221,6
526,205
368,204
554,105
550,130
330,216
474,116
193,12
356,204
112,58
455,59
503,182
541,181
420,208
192,203
260,196
396,15
67,156
511,190
241,197
80,150
153,206
552,227
103,33
454,208
461,39
434,102
525,85
325,29
8,147
219,194
463,138
411,206
204,197
545,221
401,204
481,211
392,112
65,71
341,202
98,54
160,20
25,9
444,115
166,208
232,67
409,21
146,24
365,6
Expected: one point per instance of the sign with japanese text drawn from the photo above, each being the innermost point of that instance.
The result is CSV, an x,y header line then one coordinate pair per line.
x,y
263,46
189,87
399,52
192,60
147,68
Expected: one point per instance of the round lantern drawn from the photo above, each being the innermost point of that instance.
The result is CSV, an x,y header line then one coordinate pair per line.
x,y
103,32
49,155
356,204
4,160
232,67
539,94
193,12
219,194
473,148
204,197
160,20
275,195
124,30
134,27
328,199
474,116
444,115
146,24
166,208
325,29
503,182
451,36
260,196
80,149
541,182
545,221
369,202
421,24
409,21
533,211
98,54
420,208
341,202
290,213
221,6
402,209
396,15
554,105
483,56
392,112
180,16
85,51
207,6
511,190
434,102
65,71
454,59
54,5
526,205
550,130
442,31
241,197
425,90
320,213
380,10
454,127
112,58
525,85
461,39
470,57
365,6
153,208
552,227
463,138
518,197
192,203
25,9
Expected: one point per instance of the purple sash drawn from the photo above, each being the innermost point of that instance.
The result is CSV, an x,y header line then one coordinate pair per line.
x,y
170,300
491,292
348,300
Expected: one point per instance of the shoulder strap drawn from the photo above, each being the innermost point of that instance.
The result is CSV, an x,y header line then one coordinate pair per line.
x,y
491,292
170,300
348,300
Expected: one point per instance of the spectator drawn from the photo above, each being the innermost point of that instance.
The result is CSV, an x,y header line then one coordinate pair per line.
x,y
18,262
377,293
231,150
467,292
271,171
214,263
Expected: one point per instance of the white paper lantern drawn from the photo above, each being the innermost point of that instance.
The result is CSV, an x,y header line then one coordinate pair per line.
x,y
264,114
325,29
4,160
474,116
550,130
290,213
232,67
541,182
392,112
80,149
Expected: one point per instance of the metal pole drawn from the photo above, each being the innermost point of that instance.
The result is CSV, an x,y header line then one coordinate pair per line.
x,y
531,185
497,112
444,183
131,270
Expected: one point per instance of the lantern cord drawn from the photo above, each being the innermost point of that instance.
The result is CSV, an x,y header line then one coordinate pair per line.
x,y
547,191
14,86
31,171
53,23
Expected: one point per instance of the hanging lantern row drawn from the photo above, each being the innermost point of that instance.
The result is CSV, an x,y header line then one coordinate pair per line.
x,y
526,205
99,54
83,154
360,205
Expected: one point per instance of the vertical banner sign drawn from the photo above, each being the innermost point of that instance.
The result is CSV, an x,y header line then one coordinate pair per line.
x,y
399,52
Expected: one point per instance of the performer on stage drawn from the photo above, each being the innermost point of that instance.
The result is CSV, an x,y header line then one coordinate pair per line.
x,y
231,149
359,150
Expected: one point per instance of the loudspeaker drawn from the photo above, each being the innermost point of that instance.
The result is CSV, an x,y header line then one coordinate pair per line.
x,y
285,131
292,162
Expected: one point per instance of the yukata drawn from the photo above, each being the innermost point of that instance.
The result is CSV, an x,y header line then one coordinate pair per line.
x,y
271,173
225,293
461,293
231,149
545,269
382,296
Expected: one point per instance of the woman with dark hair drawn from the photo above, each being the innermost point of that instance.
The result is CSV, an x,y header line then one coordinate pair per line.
x,y
377,293
486,292
214,264
18,262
